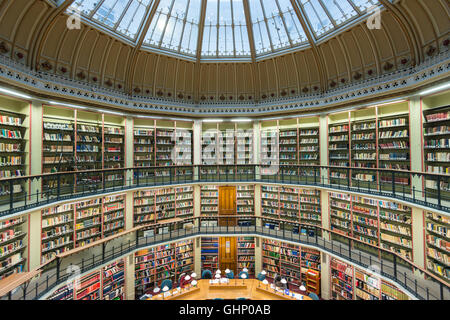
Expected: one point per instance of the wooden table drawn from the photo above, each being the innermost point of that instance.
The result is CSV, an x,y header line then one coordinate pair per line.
x,y
237,288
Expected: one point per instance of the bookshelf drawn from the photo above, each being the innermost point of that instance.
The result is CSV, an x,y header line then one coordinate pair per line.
x,y
246,254
13,246
367,286
437,244
288,145
113,281
165,203
271,257
164,145
391,292
244,145
14,145
113,215
436,145
270,204
338,146
113,149
184,202
209,200
396,228
144,207
184,251
210,254
309,146
144,146
89,287
341,280
310,208
394,144
144,262
58,146
226,147
245,202
290,261
340,214
164,262
57,234
210,141
363,146
269,148
289,205
88,222
365,222
290,265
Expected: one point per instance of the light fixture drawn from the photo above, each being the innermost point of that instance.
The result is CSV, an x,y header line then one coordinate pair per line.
x,y
227,271
263,272
165,289
266,283
302,288
435,89
16,94
187,278
212,120
241,120
218,272
193,275
156,290
66,105
194,283
243,277
283,281
245,270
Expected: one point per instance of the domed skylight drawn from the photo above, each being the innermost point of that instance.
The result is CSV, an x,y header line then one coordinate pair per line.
x,y
212,29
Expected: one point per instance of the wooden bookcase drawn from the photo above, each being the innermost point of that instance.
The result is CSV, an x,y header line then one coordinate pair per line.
x,y
437,244
436,141
14,145
13,246
342,276
309,146
246,254
210,254
114,149
209,200
367,286
107,283
339,147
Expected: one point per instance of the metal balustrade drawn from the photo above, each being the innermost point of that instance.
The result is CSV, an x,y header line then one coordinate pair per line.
x,y
24,193
56,273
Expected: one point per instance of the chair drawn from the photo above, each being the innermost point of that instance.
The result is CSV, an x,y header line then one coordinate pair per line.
x,y
167,283
241,273
180,279
230,275
206,274
278,283
313,296
261,277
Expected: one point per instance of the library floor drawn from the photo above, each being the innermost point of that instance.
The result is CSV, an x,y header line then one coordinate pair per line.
x,y
333,246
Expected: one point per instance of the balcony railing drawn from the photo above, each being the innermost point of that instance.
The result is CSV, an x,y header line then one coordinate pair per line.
x,y
418,282
418,188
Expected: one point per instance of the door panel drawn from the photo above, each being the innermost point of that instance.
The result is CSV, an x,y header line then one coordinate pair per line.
x,y
227,205
228,254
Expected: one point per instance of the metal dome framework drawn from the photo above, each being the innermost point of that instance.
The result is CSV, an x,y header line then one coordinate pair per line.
x,y
209,30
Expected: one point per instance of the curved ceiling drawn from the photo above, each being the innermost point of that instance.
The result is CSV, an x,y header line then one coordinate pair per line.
x,y
35,33
215,29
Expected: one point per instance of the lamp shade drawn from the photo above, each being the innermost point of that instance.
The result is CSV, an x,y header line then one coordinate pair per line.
x,y
217,276
245,270
265,282
227,271
187,278
194,283
193,275
263,272
218,272
283,281
302,288
165,289
156,290
243,276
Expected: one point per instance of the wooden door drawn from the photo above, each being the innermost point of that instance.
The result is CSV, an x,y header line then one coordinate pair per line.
x,y
228,254
227,205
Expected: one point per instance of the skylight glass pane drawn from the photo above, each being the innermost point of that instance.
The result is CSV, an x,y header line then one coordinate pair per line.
x,y
317,17
275,25
175,26
340,11
110,11
228,18
85,6
363,5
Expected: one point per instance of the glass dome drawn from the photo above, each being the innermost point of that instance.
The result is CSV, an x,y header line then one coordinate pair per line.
x,y
217,29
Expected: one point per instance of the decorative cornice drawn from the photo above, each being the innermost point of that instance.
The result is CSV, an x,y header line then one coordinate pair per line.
x,y
19,75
